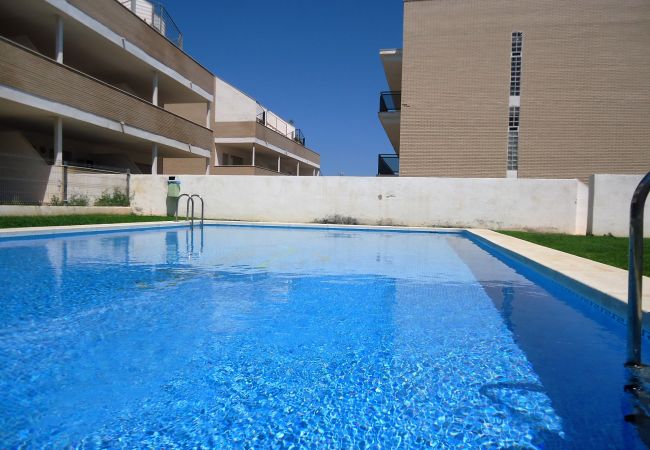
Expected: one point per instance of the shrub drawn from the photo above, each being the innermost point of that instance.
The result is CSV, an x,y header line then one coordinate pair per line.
x,y
56,201
337,219
77,200
74,200
115,198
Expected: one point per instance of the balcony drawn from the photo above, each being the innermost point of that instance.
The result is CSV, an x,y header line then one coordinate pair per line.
x,y
286,129
391,59
390,101
156,16
387,165
390,107
31,77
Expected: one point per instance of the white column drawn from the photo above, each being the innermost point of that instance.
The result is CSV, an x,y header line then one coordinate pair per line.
x,y
154,96
59,40
58,141
253,163
278,164
154,159
314,171
298,170
208,117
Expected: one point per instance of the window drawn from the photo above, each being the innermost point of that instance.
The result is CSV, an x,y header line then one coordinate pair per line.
x,y
513,149
513,120
515,63
515,91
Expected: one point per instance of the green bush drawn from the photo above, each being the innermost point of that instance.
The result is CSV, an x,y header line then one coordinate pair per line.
x,y
78,200
115,198
74,200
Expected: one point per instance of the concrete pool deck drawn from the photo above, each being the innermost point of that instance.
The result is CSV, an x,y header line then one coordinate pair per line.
x,y
605,285
68,229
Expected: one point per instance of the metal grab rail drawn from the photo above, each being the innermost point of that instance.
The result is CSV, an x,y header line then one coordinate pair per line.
x,y
187,208
635,273
202,206
190,199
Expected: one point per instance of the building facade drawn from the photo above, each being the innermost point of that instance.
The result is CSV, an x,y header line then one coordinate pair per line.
x,y
527,88
102,84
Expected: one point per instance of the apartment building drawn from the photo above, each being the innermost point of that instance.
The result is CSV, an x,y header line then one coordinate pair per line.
x,y
250,139
527,88
104,84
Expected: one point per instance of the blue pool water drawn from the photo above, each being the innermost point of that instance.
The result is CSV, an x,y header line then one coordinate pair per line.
x,y
273,337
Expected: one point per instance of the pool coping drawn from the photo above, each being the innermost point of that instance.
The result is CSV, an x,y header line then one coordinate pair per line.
x,y
605,285
75,229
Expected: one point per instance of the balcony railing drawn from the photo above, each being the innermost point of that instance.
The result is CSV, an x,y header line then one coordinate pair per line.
x,y
388,165
281,127
390,101
298,137
156,15
261,118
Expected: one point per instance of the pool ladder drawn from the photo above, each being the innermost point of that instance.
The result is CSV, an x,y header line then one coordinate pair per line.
x,y
635,274
190,200
638,385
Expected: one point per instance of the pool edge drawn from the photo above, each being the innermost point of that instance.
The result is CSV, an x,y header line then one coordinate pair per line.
x,y
602,284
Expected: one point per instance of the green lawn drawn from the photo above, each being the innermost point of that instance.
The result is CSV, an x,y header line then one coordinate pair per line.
x,y
86,219
604,249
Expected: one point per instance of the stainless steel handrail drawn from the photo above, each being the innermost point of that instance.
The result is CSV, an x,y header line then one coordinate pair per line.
x,y
635,273
202,206
187,209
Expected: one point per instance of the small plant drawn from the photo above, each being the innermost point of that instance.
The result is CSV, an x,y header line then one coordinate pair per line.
x,y
55,200
74,200
77,200
115,198
337,219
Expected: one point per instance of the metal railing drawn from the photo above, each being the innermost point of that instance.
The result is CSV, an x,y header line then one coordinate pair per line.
x,y
261,118
155,14
68,184
387,165
635,274
190,200
202,206
298,136
294,134
390,101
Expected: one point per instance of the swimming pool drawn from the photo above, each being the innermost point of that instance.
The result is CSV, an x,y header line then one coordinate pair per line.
x,y
274,337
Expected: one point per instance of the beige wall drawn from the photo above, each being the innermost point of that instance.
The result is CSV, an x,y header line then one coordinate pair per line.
x,y
242,170
189,166
196,112
585,96
232,105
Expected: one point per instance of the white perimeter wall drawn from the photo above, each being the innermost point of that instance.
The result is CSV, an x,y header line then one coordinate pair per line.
x,y
609,204
521,204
